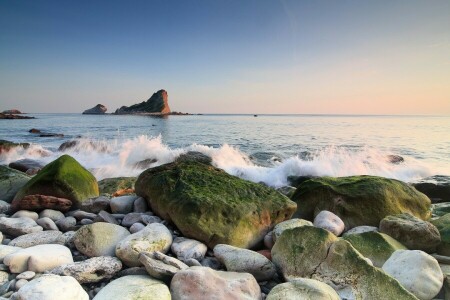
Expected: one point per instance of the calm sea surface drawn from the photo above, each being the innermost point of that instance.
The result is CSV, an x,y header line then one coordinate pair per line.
x,y
265,148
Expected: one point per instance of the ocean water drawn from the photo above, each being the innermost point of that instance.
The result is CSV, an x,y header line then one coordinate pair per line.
x,y
266,148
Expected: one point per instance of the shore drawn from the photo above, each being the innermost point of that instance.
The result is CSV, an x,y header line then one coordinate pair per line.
x,y
186,228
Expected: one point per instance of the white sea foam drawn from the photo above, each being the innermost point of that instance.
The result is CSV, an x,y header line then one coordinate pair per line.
x,y
118,158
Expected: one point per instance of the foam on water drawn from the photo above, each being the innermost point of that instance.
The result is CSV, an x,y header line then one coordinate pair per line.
x,y
113,158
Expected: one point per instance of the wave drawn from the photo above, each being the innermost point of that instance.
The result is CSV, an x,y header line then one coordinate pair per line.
x,y
115,158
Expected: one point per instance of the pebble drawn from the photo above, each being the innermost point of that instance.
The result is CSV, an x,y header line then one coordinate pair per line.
x,y
122,204
86,222
26,275
136,227
67,224
26,214
20,283
54,215
47,223
140,205
104,216
329,221
95,205
18,226
185,249
360,229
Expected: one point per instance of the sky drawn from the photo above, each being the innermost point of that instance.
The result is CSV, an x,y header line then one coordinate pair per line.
x,y
227,56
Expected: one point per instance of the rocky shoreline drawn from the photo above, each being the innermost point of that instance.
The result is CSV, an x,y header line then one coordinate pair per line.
x,y
187,230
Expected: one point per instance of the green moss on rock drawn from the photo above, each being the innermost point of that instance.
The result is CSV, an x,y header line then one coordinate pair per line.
x,y
110,186
443,225
64,178
11,181
359,200
212,206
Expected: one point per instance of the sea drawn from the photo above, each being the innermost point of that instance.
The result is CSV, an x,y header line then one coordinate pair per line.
x,y
259,148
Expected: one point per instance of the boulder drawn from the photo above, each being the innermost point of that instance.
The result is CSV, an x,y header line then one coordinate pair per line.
x,y
157,103
18,226
24,165
245,261
91,270
303,289
211,206
378,247
437,188
416,271
50,287
41,202
111,186
26,214
359,200
38,238
412,232
5,250
38,258
99,239
99,109
443,225
134,287
54,215
186,249
196,282
154,237
329,221
11,181
62,178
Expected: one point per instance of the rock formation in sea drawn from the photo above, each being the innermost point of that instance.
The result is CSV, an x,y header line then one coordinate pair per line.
x,y
99,109
158,103
12,112
13,116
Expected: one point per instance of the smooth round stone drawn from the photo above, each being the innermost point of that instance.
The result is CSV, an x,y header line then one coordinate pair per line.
x,y
329,221
26,275
148,219
38,238
268,240
4,207
196,282
303,288
140,205
47,223
131,218
54,215
18,226
20,283
289,224
122,204
95,205
79,215
66,224
211,262
99,239
134,287
417,271
26,214
185,249
361,229
86,222
136,227
1,237
6,250
52,287
245,261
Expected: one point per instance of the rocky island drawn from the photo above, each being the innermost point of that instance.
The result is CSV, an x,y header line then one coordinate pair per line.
x,y
158,104
99,109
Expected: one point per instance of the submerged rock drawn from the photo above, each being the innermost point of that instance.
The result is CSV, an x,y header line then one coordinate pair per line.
x,y
62,178
359,200
211,206
157,103
99,109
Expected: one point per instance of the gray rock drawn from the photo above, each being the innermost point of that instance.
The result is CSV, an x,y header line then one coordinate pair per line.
x,y
361,229
20,283
66,224
192,262
292,223
131,218
104,216
18,226
133,271
246,261
122,204
303,288
92,270
6,286
211,262
140,205
196,282
54,215
154,237
47,223
26,214
268,240
28,275
95,205
99,239
69,237
4,207
136,227
86,221
6,250
148,219
329,221
38,238
185,249
79,214
161,266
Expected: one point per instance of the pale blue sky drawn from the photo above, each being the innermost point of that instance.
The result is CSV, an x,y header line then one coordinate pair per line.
x,y
369,57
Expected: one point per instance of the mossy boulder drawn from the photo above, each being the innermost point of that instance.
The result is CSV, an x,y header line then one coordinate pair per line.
x,y
63,178
211,206
443,225
11,181
359,200
111,186
376,246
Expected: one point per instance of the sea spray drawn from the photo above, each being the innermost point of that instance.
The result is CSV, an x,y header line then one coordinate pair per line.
x,y
113,158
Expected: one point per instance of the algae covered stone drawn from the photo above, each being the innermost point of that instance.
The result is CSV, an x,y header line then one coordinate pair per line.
x,y
11,181
303,289
359,200
443,225
211,206
63,178
378,247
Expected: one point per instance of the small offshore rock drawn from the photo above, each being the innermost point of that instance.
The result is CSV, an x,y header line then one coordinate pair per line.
x,y
91,270
161,266
99,239
329,221
122,204
26,214
185,249
95,205
38,238
47,223
54,215
38,258
18,226
49,287
136,227
303,288
245,261
104,216
140,205
361,229
66,224
196,282
154,237
417,271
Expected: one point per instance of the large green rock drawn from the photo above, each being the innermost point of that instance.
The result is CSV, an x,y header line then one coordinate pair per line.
x,y
311,252
443,225
11,181
376,246
211,206
359,200
63,178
